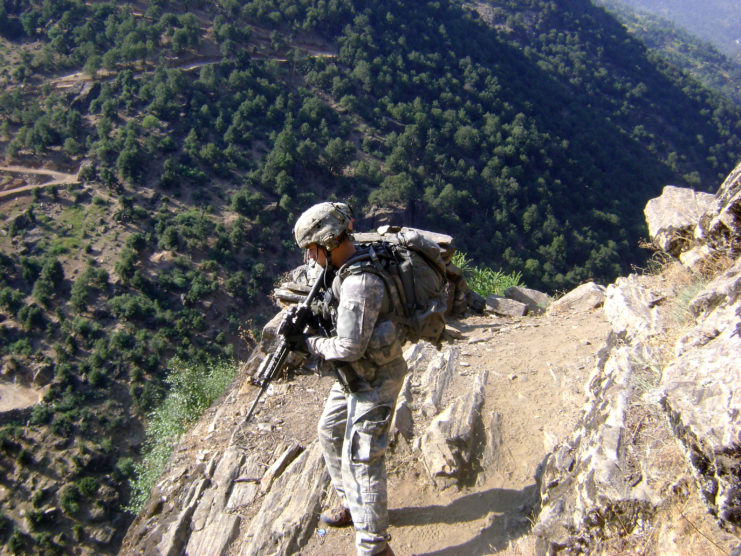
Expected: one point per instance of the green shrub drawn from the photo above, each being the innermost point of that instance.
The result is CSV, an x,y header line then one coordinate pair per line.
x,y
79,293
63,425
7,443
23,346
125,468
100,278
193,387
483,280
88,486
37,500
86,329
41,414
35,519
45,541
43,290
15,543
31,317
24,458
69,499
136,242
11,299
96,377
30,269
149,122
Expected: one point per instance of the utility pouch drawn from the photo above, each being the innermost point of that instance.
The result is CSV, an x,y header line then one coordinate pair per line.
x,y
349,380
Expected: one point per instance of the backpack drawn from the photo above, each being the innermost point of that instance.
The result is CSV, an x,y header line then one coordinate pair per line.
x,y
412,268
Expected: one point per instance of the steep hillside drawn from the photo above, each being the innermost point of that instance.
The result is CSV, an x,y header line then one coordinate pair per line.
x,y
608,425
678,47
157,153
716,21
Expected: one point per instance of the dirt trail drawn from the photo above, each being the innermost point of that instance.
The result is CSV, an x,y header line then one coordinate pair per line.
x,y
9,188
538,368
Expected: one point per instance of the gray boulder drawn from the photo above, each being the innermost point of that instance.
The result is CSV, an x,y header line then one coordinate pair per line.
x,y
535,300
505,307
672,217
583,298
43,374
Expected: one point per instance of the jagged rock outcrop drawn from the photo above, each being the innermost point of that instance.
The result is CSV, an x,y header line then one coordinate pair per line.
x,y
436,379
633,309
284,519
720,227
604,478
703,393
672,217
447,446
232,488
702,230
599,474
242,498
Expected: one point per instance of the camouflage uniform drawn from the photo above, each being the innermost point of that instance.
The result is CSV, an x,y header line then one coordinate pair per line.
x,y
354,426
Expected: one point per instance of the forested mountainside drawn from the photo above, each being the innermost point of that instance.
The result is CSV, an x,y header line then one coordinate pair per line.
x,y
678,47
716,21
190,135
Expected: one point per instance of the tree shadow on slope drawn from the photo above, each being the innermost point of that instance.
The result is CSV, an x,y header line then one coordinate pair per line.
x,y
507,510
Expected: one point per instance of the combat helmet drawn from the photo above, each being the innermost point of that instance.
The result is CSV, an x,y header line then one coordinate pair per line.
x,y
325,224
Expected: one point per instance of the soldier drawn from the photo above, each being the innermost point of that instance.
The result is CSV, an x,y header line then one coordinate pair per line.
x,y
366,350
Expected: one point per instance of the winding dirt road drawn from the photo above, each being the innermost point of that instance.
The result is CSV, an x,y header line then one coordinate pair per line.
x,y
57,178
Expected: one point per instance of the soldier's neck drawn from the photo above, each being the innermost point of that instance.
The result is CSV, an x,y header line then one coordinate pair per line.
x,y
342,253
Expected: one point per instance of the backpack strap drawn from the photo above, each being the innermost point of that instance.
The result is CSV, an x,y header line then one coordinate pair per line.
x,y
375,258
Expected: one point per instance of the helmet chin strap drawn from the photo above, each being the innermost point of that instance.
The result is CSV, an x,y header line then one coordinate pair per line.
x,y
327,257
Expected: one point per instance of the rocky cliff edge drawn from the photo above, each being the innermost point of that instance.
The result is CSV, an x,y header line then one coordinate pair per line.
x,y
609,424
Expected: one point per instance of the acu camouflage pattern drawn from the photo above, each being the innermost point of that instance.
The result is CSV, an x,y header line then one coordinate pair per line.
x,y
367,337
323,224
354,432
354,426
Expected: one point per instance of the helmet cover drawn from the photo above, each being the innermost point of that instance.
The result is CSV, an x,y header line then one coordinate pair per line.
x,y
323,224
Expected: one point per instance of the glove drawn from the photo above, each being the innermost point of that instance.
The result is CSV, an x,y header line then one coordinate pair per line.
x,y
297,342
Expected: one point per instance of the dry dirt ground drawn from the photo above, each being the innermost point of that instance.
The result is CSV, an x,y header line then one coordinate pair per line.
x,y
537,368
16,396
13,179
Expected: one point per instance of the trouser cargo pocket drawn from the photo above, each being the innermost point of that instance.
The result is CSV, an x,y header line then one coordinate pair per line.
x,y
370,436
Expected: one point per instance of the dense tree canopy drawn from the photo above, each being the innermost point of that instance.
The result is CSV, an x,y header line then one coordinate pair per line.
x,y
536,143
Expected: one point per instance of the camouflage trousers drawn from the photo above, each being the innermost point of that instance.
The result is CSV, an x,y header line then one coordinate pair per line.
x,y
353,432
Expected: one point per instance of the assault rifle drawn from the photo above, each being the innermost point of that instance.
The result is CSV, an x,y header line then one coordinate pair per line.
x,y
294,323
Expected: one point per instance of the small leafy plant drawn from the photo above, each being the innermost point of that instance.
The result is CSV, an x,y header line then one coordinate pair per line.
x,y
484,280
193,388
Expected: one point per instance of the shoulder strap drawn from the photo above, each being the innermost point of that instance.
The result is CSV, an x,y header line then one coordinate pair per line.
x,y
375,258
